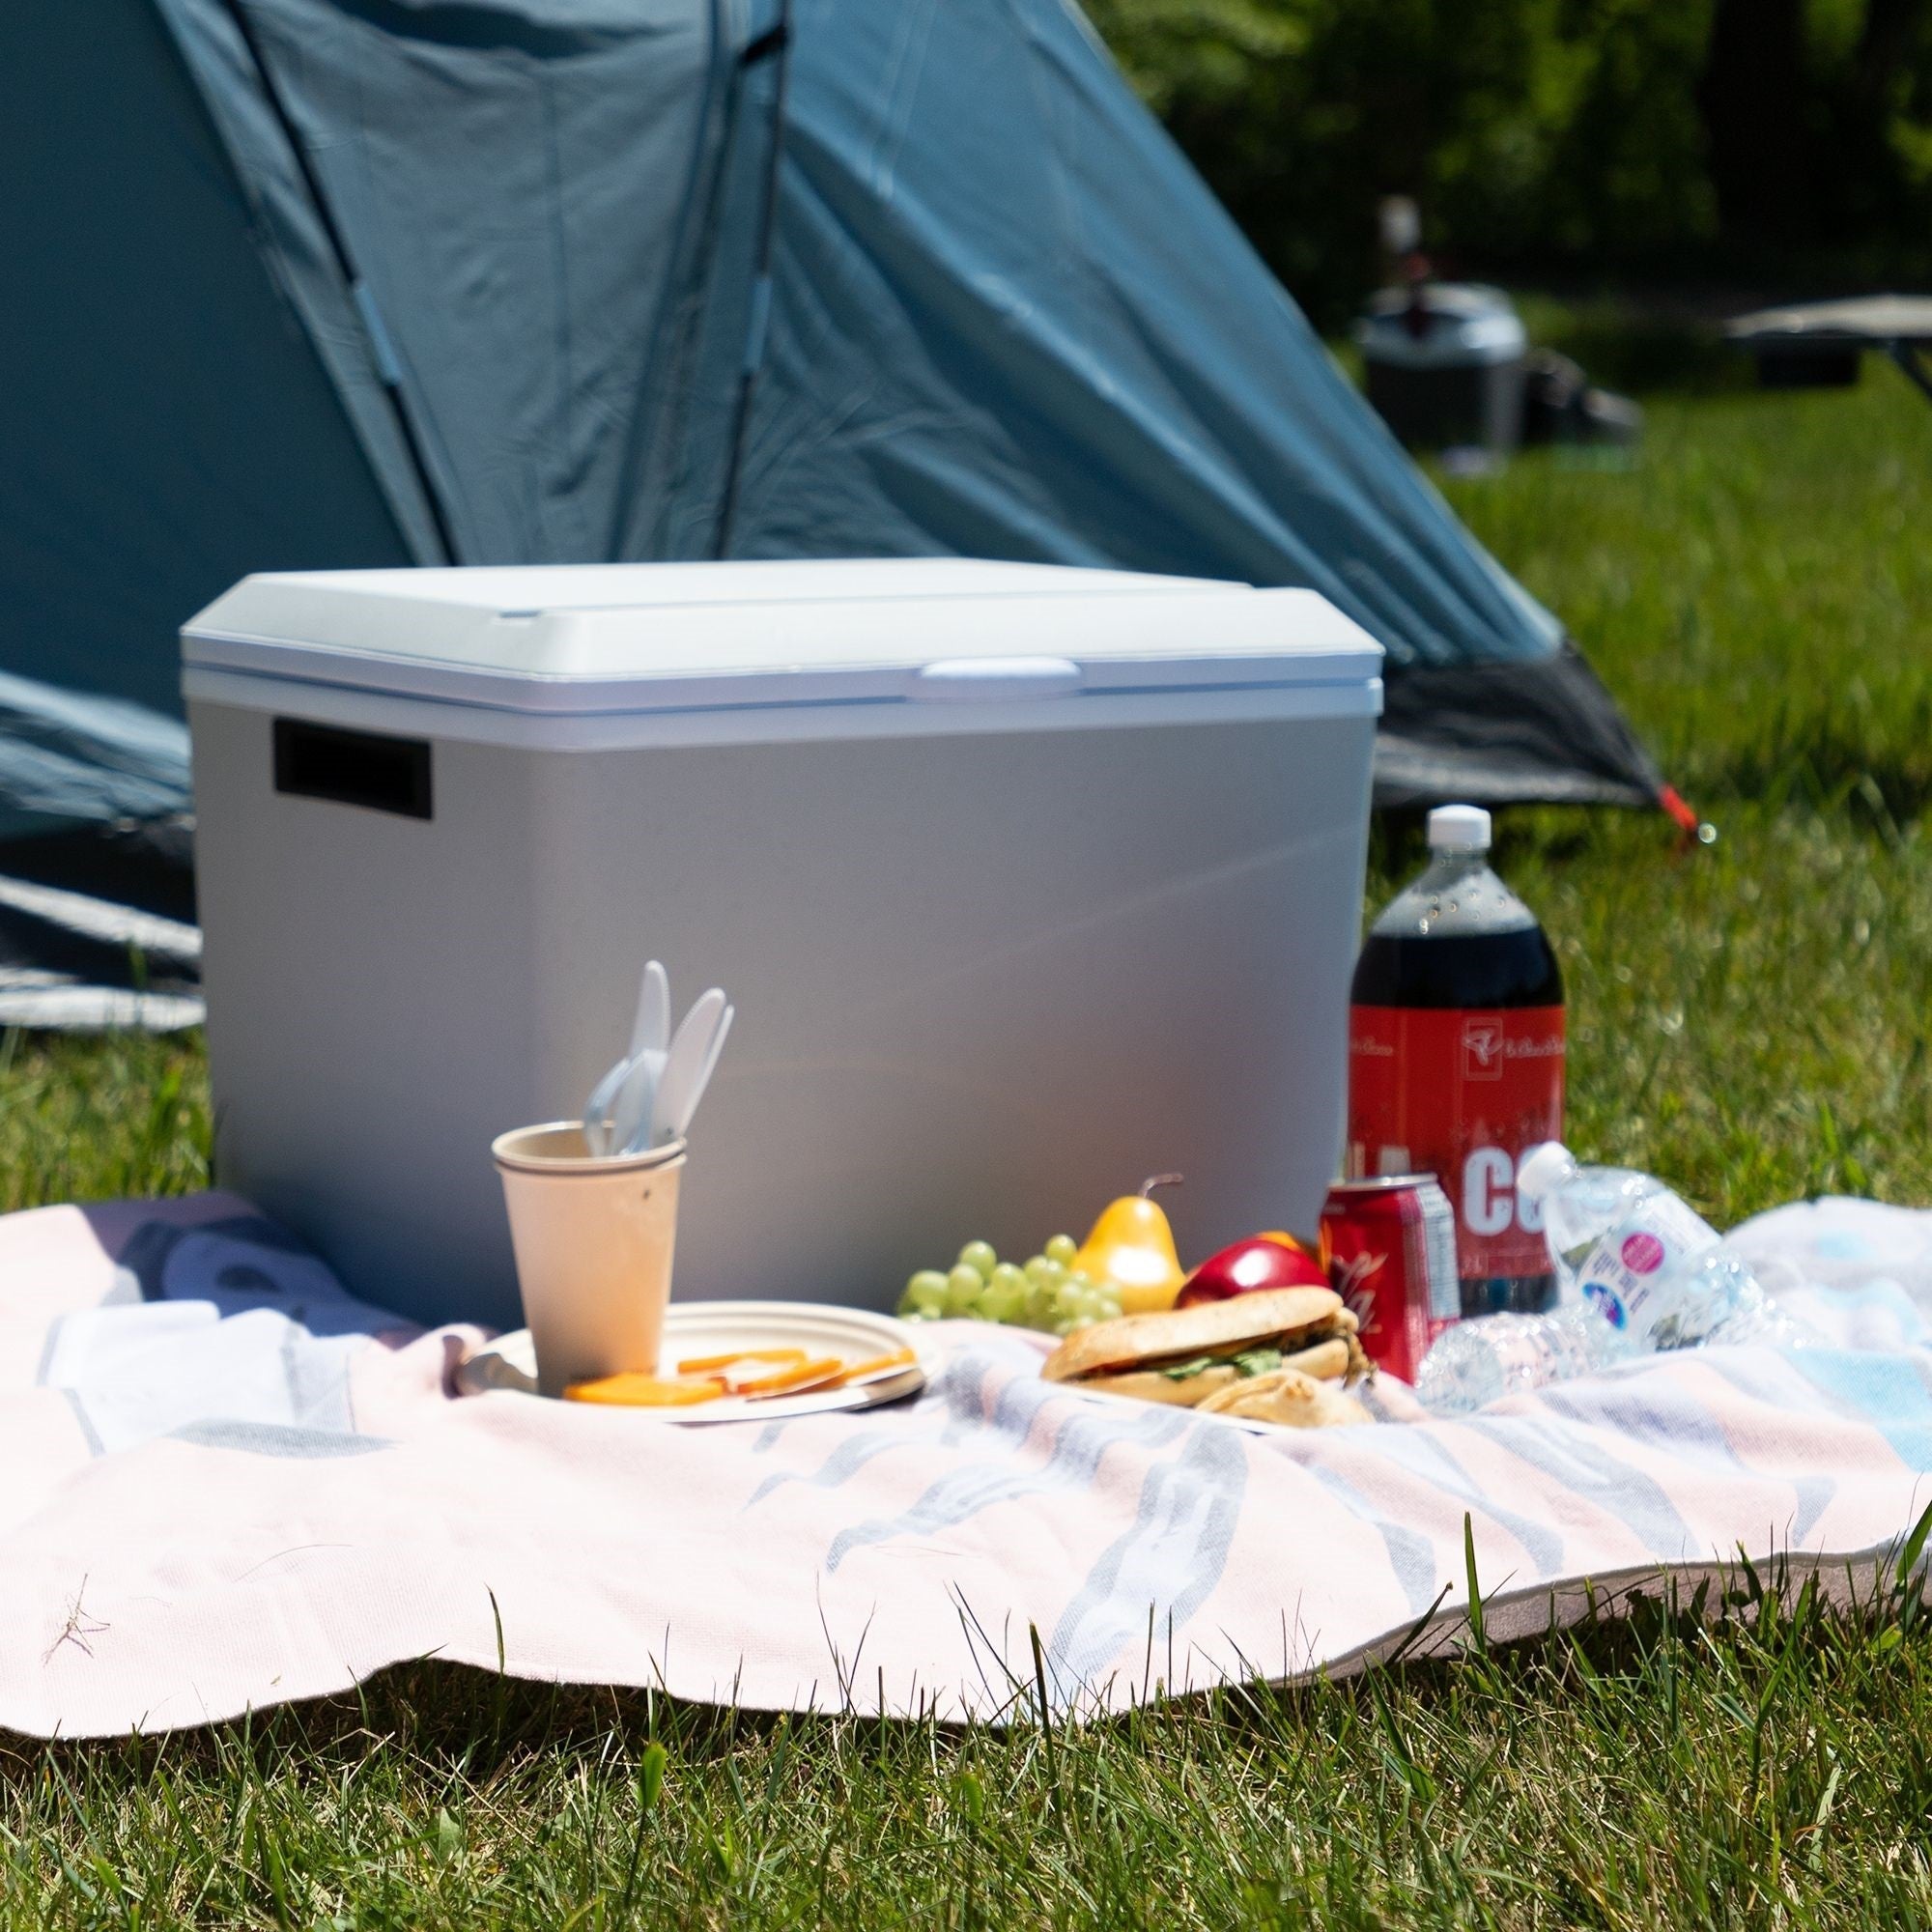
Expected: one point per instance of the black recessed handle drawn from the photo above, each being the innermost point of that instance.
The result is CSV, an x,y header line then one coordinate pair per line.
x,y
365,768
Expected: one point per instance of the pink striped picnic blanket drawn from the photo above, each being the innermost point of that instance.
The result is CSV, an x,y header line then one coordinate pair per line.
x,y
227,1484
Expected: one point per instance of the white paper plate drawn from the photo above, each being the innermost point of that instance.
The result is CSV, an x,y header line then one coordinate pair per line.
x,y
713,1328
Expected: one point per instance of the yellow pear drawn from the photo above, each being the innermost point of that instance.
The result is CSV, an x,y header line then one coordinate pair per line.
x,y
1132,1246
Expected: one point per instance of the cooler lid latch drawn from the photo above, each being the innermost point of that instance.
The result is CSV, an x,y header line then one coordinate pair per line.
x,y
995,680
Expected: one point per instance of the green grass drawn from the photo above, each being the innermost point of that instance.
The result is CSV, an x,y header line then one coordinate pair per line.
x,y
1770,1769
93,1119
1748,1019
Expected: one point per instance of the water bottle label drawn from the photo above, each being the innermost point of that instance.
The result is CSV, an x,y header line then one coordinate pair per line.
x,y
1630,1274
1464,1095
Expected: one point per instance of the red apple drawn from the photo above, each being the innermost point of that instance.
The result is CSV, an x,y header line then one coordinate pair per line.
x,y
1258,1262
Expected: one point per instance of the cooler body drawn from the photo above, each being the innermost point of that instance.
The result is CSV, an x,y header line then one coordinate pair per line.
x,y
999,949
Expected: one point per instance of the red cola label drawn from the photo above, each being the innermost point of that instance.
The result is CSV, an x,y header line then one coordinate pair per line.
x,y
1462,1095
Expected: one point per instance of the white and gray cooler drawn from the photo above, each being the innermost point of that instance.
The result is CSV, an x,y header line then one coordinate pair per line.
x,y
1027,883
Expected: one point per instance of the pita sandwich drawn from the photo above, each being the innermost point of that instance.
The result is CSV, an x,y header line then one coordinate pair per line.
x,y
1265,1348
1289,1399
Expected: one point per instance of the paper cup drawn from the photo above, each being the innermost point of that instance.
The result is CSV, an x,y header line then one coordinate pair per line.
x,y
593,1238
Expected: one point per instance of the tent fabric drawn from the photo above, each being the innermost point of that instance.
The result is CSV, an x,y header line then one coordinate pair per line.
x,y
1544,730
97,928
336,283
166,423
67,755
1113,377
512,185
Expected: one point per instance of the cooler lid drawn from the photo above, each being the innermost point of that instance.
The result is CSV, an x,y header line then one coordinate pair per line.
x,y
589,638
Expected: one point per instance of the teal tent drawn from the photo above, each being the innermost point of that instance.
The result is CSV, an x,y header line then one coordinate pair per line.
x,y
307,283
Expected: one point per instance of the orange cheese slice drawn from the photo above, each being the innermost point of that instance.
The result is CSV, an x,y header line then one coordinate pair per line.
x,y
798,1376
873,1365
704,1365
632,1390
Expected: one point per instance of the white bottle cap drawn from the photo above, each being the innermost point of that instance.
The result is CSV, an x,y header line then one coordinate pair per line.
x,y
1459,828
1544,1169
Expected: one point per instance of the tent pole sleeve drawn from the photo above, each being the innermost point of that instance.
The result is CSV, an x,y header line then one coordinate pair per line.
x,y
381,346
758,321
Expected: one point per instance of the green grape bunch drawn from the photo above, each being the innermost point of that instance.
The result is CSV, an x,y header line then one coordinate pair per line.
x,y
1048,1293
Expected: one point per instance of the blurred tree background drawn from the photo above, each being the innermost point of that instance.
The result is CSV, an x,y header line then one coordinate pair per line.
x,y
1785,145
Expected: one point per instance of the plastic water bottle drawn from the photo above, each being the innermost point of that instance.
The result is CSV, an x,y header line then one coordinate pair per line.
x,y
1623,1244
1637,1270
1478,1362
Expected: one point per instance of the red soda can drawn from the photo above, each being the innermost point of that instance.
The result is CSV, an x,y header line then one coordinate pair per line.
x,y
1389,1246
